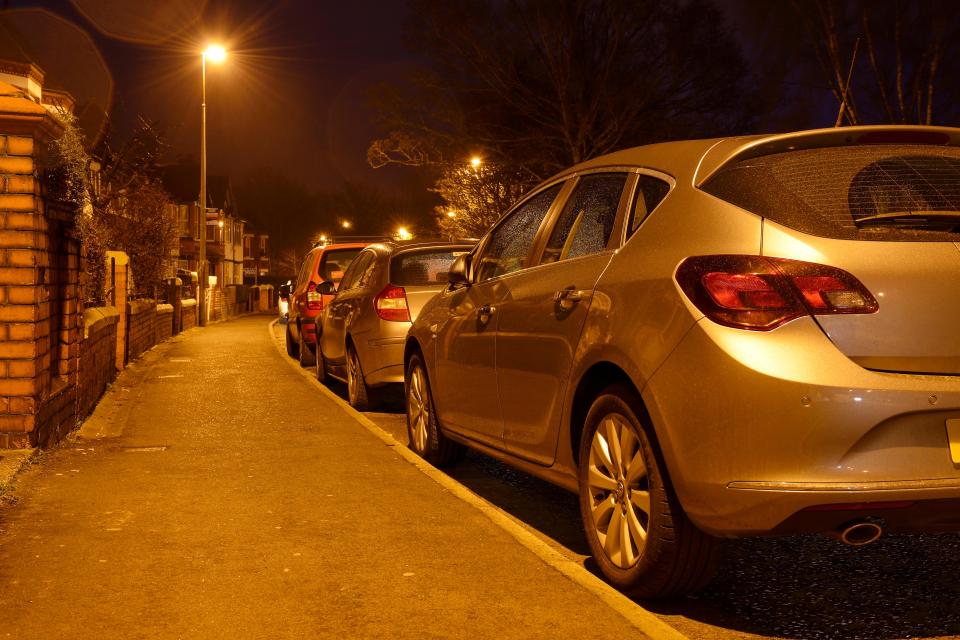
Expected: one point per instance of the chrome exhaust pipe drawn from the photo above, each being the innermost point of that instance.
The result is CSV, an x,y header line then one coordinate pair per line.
x,y
860,532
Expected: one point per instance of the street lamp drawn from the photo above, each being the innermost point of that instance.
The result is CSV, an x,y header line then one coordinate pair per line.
x,y
475,162
346,224
216,54
451,214
403,234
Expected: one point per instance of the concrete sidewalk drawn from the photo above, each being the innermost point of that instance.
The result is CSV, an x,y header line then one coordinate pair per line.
x,y
234,500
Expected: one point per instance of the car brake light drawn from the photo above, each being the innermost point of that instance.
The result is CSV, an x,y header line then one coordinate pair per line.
x,y
758,293
391,304
314,297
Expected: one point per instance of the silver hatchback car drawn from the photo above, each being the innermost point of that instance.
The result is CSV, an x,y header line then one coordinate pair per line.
x,y
712,339
362,330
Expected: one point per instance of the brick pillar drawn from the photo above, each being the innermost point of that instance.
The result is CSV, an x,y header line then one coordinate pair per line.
x,y
118,268
175,298
34,382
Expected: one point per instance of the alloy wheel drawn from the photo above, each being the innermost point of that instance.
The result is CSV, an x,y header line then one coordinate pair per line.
x,y
619,491
353,372
418,409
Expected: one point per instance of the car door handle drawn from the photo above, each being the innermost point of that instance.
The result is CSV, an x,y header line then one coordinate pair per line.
x,y
571,295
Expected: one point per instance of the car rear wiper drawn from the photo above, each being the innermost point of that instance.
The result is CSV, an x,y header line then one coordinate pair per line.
x,y
931,220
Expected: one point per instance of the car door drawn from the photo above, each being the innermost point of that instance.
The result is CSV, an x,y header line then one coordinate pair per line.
x,y
340,308
467,399
540,320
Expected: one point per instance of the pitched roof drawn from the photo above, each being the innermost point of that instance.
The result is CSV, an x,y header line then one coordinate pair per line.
x,y
182,181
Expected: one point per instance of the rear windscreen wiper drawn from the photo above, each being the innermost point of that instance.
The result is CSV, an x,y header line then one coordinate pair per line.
x,y
932,220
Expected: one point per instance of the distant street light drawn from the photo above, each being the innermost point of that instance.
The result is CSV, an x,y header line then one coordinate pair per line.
x,y
403,234
346,224
216,54
475,161
451,214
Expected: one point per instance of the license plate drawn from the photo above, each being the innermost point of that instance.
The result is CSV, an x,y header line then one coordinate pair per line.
x,y
953,435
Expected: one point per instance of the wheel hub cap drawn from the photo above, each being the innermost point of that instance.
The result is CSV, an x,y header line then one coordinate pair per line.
x,y
619,496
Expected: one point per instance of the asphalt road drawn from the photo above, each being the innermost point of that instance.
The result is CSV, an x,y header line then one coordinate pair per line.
x,y
805,587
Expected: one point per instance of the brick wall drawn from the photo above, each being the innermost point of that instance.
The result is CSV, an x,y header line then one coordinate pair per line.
x,y
97,354
163,327
141,323
188,314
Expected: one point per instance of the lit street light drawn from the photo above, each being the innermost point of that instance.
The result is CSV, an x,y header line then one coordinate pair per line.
x,y
216,54
475,161
451,214
403,234
346,224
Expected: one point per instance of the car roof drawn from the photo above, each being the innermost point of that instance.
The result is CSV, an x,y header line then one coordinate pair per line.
x,y
403,247
694,161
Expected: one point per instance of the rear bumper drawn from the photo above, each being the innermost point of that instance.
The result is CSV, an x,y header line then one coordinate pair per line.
x,y
758,427
308,328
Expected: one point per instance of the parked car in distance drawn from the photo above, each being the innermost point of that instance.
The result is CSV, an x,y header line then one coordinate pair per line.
x,y
283,301
712,339
364,327
323,263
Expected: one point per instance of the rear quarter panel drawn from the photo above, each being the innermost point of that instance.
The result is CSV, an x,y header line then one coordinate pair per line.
x,y
639,315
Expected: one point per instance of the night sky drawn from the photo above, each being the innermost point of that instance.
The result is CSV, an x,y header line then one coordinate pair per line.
x,y
292,95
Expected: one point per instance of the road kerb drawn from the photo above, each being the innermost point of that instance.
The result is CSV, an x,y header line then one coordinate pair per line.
x,y
643,620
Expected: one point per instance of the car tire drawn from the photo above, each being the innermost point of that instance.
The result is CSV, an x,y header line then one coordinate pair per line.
x,y
305,355
291,345
358,393
321,369
629,495
424,435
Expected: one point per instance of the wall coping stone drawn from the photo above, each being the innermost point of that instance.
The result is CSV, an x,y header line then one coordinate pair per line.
x,y
189,302
94,316
139,306
164,308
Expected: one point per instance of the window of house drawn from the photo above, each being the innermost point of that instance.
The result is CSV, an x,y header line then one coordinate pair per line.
x,y
509,243
586,222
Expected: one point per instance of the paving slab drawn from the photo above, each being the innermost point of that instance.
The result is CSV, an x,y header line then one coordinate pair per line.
x,y
227,498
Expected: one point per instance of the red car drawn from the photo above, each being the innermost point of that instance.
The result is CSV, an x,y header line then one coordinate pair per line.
x,y
324,263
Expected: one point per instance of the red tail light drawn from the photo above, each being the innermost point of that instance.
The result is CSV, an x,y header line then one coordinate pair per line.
x,y
314,298
753,292
391,304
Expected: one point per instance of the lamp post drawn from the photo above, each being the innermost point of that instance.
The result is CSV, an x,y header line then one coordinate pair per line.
x,y
216,54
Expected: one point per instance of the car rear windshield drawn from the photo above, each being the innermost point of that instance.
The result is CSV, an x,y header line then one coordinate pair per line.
x,y
866,192
423,267
334,263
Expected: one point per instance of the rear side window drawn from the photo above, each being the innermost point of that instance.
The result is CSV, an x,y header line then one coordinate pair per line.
x,y
423,268
866,192
650,192
354,274
585,224
334,264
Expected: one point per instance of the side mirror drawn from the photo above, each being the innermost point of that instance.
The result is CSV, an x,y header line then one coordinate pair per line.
x,y
326,288
459,269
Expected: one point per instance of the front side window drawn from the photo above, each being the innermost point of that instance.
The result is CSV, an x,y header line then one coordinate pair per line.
x,y
509,243
586,222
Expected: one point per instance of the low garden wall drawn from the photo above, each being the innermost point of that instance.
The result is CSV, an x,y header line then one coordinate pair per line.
x,y
97,355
